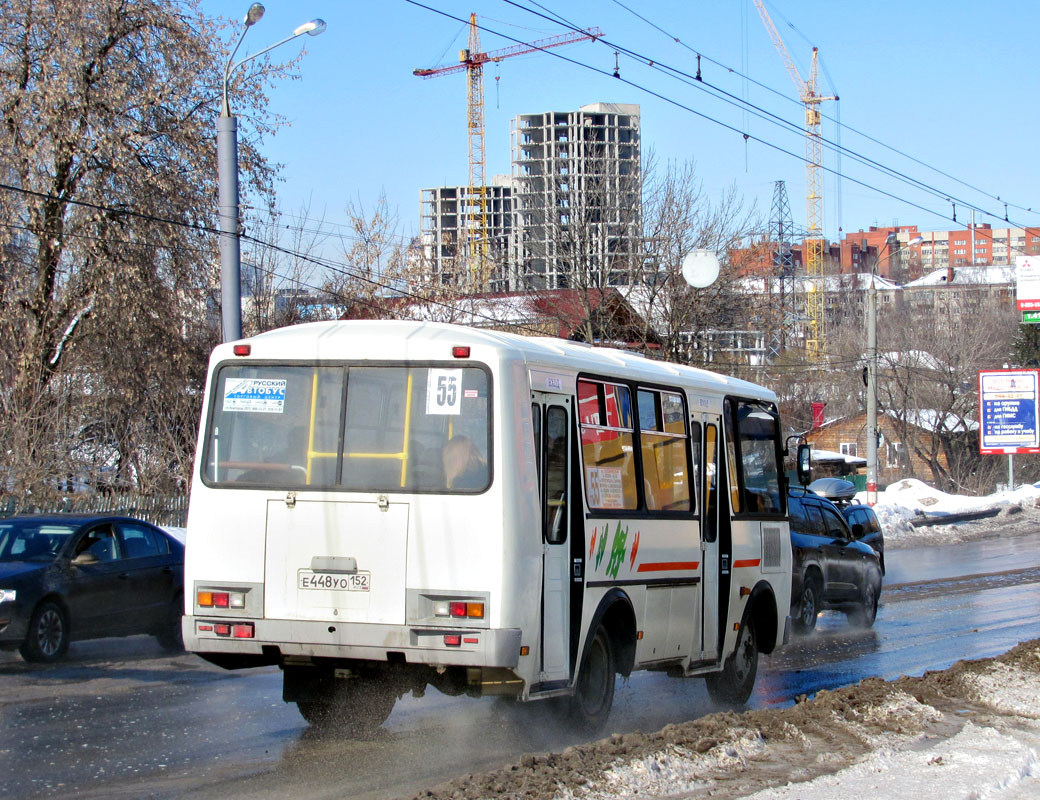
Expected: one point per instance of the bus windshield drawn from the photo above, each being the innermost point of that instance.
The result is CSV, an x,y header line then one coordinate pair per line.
x,y
351,428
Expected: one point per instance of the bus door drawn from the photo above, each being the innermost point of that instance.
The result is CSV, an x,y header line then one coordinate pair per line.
x,y
709,510
552,418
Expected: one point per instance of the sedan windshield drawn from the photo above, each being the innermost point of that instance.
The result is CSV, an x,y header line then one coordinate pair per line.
x,y
31,540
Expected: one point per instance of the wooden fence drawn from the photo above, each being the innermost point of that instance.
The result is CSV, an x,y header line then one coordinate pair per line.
x,y
172,511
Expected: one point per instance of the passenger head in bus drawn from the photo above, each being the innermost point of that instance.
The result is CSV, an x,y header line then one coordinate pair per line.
x,y
464,466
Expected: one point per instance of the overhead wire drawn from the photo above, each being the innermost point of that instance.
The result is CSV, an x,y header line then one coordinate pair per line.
x,y
836,120
738,102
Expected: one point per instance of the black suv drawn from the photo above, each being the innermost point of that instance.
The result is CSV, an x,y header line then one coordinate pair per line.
x,y
862,520
832,570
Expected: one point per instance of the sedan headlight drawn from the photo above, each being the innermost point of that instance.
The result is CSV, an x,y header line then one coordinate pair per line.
x,y
8,595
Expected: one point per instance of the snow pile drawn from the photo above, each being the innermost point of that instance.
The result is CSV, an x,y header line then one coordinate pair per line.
x,y
670,771
977,762
906,499
995,757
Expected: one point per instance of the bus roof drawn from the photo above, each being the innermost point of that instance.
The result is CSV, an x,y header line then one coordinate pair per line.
x,y
381,340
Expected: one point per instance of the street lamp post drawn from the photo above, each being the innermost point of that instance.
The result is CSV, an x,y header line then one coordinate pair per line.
x,y
227,180
872,359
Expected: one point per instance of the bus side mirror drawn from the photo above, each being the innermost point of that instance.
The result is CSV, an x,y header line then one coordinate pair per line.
x,y
804,464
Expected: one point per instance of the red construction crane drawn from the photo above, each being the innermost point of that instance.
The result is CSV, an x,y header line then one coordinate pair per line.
x,y
474,206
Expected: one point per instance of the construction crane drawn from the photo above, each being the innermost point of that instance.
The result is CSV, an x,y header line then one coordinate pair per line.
x,y
474,205
811,99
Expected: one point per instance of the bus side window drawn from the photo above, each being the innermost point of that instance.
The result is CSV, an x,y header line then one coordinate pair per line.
x,y
556,474
757,443
536,423
696,445
731,457
711,482
664,450
607,435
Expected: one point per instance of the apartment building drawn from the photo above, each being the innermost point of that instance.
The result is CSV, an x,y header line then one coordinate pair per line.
x,y
975,246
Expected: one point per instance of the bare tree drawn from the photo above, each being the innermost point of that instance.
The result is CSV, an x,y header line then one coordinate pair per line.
x,y
678,217
282,269
374,260
107,171
928,385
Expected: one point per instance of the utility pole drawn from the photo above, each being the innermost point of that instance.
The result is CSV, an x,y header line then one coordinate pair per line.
x,y
872,389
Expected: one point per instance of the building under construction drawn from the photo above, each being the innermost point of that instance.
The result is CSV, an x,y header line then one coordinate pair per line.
x,y
449,247
568,217
577,197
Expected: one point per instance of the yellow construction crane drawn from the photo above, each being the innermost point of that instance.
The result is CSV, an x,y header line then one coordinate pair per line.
x,y
811,99
474,205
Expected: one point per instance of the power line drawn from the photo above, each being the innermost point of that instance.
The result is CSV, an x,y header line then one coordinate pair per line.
x,y
733,100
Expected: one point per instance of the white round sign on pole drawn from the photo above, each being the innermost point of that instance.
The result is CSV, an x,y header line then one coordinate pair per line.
x,y
700,268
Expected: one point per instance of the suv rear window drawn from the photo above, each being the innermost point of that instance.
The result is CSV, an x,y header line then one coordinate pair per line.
x,y
861,515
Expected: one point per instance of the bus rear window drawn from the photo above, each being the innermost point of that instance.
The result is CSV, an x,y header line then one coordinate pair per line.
x,y
421,429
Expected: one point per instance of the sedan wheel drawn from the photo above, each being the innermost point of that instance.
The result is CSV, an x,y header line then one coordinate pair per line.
x,y
169,634
48,636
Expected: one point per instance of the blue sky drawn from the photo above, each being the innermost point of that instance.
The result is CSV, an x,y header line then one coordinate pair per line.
x,y
952,85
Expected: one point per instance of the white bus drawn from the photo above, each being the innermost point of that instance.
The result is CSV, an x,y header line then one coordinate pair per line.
x,y
381,506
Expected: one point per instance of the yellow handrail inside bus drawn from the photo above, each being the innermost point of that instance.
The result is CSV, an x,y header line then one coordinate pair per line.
x,y
403,454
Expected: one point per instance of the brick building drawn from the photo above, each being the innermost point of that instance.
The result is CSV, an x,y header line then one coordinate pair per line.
x,y
896,460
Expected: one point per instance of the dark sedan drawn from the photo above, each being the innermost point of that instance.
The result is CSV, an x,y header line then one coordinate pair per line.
x,y
65,577
832,570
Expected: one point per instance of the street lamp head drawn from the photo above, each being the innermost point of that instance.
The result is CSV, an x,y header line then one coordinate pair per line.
x,y
314,28
915,241
253,14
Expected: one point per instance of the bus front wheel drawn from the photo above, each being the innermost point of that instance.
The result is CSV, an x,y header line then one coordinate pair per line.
x,y
733,685
594,691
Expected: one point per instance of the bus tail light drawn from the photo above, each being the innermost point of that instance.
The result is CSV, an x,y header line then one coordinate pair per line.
x,y
242,630
234,630
470,610
211,599
460,351
452,639
242,349
459,609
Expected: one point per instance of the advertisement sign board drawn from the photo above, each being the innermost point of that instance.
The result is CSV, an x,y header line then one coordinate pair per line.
x,y
1008,411
1027,282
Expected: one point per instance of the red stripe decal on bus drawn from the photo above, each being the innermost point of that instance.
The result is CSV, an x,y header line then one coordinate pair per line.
x,y
663,566
747,562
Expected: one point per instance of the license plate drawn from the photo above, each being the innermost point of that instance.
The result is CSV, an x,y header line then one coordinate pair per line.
x,y
334,582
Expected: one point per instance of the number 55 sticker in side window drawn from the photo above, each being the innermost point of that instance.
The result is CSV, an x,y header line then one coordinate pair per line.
x,y
444,391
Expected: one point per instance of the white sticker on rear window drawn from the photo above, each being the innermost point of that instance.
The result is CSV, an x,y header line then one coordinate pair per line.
x,y
444,391
254,394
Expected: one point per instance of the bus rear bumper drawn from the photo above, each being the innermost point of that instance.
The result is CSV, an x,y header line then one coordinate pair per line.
x,y
277,639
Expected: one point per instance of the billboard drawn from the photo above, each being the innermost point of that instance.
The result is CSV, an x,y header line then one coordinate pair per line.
x,y
1008,411
1027,283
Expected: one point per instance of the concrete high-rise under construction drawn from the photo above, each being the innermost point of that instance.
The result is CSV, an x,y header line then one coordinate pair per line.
x,y
576,197
568,217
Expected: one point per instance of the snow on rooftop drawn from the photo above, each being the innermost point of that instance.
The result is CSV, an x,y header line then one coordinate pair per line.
x,y
966,276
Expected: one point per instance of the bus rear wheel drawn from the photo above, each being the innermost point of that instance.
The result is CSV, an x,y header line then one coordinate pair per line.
x,y
733,685
349,707
594,691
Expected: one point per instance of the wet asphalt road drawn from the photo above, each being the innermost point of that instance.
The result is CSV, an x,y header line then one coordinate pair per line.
x,y
120,719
